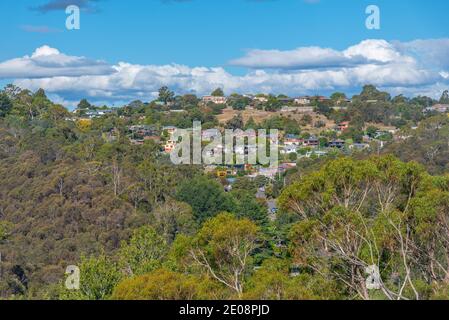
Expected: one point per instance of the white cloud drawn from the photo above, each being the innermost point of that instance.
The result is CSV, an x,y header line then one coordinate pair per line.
x,y
366,52
300,58
431,52
49,62
396,67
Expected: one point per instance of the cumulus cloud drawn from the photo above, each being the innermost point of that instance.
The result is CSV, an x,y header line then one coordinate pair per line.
x,y
300,58
49,62
366,52
432,53
396,67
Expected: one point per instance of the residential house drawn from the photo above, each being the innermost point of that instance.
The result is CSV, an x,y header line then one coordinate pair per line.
x,y
210,134
289,149
240,150
316,153
312,142
343,126
261,99
440,108
272,137
143,130
297,109
111,135
245,134
268,172
286,166
91,114
169,146
140,133
169,129
216,100
222,173
322,99
359,146
285,100
304,101
292,139
336,144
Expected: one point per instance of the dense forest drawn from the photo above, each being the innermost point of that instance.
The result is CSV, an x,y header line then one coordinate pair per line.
x,y
138,227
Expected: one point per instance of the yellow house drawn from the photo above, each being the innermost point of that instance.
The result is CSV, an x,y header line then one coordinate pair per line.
x,y
222,173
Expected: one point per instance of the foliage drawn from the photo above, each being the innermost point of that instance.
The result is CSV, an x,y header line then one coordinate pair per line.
x,y
378,211
206,197
218,93
5,105
98,277
144,252
223,248
80,193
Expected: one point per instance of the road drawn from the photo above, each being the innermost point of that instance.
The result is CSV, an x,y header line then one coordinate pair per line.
x,y
271,204
272,209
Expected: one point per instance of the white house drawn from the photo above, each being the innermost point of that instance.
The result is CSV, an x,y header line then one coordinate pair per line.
x,y
216,100
304,101
289,149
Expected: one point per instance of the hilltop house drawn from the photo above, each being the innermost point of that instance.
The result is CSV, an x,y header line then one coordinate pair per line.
x,y
343,126
216,100
261,99
268,172
297,109
272,137
359,146
285,100
336,144
210,134
312,142
441,108
139,133
322,99
169,146
91,114
304,101
286,166
292,139
289,149
169,129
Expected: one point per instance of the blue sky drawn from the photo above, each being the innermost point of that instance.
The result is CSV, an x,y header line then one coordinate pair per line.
x,y
236,44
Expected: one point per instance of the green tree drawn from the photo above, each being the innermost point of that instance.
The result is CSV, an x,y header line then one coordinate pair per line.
x,y
248,207
251,124
370,92
165,95
338,97
361,213
272,281
161,284
445,97
173,218
223,248
5,230
235,123
218,93
144,253
98,278
273,104
84,105
238,102
207,198
371,131
5,105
